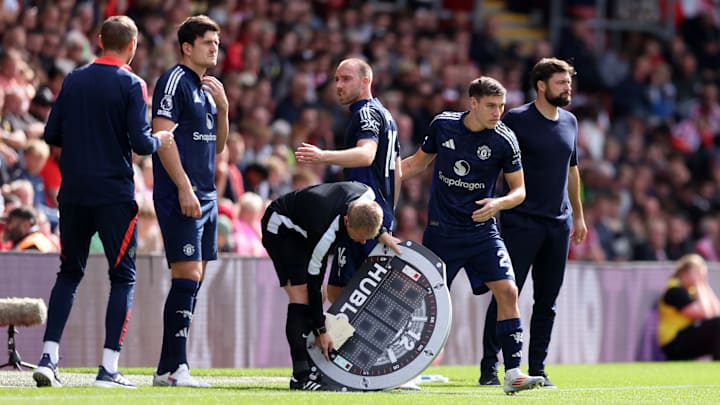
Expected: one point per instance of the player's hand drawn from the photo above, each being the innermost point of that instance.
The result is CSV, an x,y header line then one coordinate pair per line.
x,y
308,154
167,139
490,207
216,89
390,241
579,232
189,203
325,343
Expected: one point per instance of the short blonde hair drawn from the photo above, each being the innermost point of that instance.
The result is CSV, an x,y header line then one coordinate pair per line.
x,y
366,215
37,147
688,262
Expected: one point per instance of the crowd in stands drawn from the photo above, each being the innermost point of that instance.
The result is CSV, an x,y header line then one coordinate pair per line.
x,y
648,109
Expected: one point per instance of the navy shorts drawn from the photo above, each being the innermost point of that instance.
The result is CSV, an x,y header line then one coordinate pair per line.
x,y
187,238
479,250
348,256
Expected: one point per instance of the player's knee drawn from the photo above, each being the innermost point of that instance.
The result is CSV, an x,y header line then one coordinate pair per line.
x,y
73,274
333,292
506,294
188,270
124,278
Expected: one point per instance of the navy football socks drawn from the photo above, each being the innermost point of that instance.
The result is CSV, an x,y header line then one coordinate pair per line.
x,y
509,333
177,317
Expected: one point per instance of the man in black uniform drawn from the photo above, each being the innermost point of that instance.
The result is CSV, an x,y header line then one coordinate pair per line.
x,y
299,229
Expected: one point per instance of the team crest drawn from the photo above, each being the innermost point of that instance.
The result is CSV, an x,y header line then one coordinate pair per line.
x,y
484,152
209,121
188,249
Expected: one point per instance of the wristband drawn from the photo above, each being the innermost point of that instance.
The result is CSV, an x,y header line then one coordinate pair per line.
x,y
383,230
319,331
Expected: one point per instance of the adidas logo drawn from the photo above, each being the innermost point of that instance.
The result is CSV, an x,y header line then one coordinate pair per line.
x,y
311,386
450,144
182,333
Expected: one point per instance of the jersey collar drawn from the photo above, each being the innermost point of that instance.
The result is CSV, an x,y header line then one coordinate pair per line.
x,y
112,61
359,104
192,73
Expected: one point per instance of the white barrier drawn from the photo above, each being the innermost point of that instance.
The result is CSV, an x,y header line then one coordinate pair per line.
x,y
240,319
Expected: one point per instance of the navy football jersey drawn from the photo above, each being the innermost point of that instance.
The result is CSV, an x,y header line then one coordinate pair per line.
x,y
467,166
180,98
549,150
371,120
99,117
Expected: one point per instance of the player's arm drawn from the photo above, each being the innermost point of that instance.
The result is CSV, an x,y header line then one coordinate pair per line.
x,y
579,227
398,181
142,141
415,164
360,155
217,91
317,314
170,158
516,195
694,309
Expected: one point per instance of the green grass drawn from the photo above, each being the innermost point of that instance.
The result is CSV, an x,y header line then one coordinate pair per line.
x,y
630,383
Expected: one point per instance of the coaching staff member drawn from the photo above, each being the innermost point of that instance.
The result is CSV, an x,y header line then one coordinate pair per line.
x,y
98,119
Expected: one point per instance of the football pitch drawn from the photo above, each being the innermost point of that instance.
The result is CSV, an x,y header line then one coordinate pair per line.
x,y
627,383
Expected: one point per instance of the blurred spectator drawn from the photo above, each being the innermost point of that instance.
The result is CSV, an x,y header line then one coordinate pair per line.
x,y
233,187
408,224
290,106
247,237
485,49
708,244
679,242
34,157
591,248
21,230
304,177
578,45
654,248
226,240
610,227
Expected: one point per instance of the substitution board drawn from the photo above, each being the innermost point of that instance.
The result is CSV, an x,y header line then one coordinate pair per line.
x,y
400,308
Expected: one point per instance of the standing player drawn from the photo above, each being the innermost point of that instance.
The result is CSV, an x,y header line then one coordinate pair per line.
x,y
537,232
472,148
99,118
184,189
372,157
299,230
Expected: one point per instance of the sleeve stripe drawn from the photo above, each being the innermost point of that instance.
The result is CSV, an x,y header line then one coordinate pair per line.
x,y
322,247
368,195
447,115
173,81
509,136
